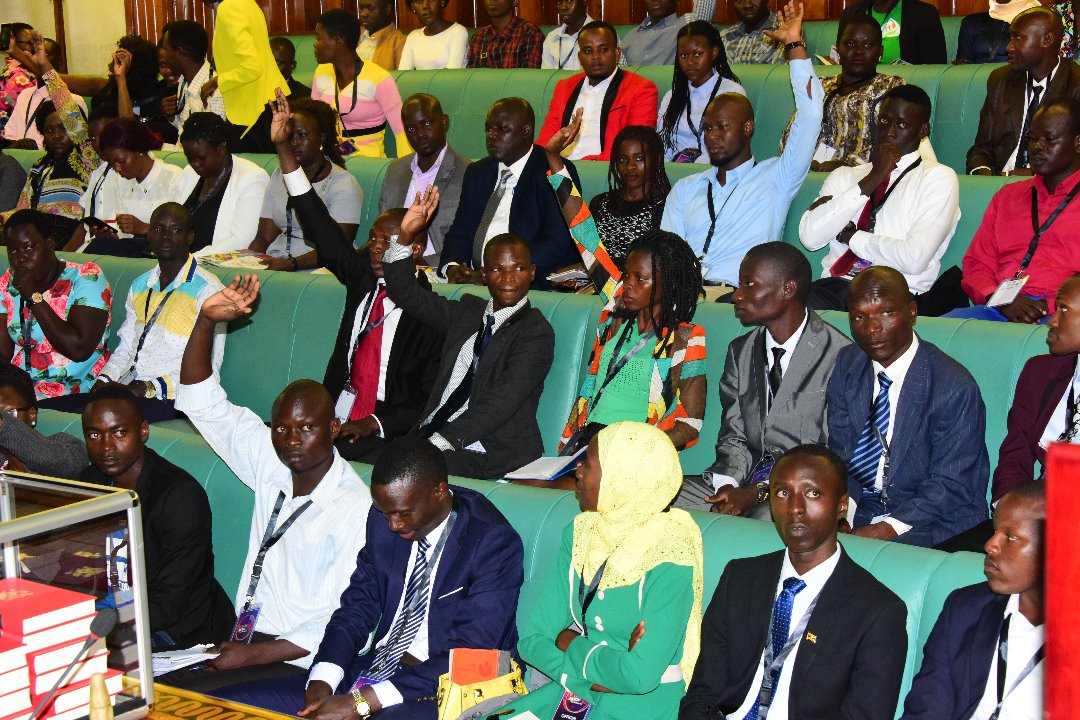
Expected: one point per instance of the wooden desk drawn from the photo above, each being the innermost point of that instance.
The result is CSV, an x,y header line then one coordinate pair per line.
x,y
174,704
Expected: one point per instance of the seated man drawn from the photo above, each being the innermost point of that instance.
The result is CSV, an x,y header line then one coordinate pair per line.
x,y
380,40
1008,273
983,658
653,41
303,540
285,58
917,461
432,162
745,41
911,30
23,448
508,42
561,44
154,334
1033,76
56,313
508,192
184,45
773,387
187,605
495,354
814,588
453,546
610,98
743,203
899,210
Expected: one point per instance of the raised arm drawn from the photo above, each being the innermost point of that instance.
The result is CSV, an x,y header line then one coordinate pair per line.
x,y
228,304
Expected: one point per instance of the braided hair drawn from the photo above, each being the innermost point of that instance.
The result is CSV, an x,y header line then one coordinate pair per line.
x,y
327,119
680,85
657,185
679,271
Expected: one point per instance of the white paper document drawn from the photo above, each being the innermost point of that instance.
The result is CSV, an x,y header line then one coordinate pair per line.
x,y
169,660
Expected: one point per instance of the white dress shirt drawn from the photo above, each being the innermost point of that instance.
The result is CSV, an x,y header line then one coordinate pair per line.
x,y
699,98
913,228
1026,701
815,580
305,573
445,50
1059,420
591,99
500,223
386,691
20,122
1032,82
118,195
561,48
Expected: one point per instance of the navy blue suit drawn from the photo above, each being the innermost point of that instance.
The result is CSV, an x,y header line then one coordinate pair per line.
x,y
939,468
473,605
957,656
535,215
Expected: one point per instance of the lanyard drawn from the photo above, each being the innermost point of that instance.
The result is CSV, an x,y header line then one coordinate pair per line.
x,y
37,183
26,329
618,363
713,215
97,189
573,46
775,664
152,319
270,538
1040,229
29,112
193,203
689,121
114,568
1003,661
875,207
368,327
587,595
337,91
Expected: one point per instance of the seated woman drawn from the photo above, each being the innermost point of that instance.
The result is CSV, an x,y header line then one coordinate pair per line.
x,y
314,140
364,94
847,128
56,312
23,448
618,622
639,187
224,193
437,44
648,305
701,73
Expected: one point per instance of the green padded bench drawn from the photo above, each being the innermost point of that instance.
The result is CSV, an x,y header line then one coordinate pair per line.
x,y
922,578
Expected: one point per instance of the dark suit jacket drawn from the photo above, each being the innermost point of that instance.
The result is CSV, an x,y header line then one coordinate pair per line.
x,y
630,100
957,656
509,378
534,215
922,39
852,671
473,599
414,354
798,412
449,179
1002,116
939,468
1043,382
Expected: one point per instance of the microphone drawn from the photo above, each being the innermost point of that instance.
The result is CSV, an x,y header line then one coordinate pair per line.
x,y
102,624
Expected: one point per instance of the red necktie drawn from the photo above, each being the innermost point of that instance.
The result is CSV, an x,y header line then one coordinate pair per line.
x,y
364,377
843,266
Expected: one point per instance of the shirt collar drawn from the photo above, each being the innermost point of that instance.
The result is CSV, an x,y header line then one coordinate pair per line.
x,y
1019,624
203,75
1063,187
1045,82
899,369
707,86
518,167
434,166
561,30
734,175
501,316
600,87
510,28
154,281
435,535
324,496
815,579
789,346
663,22
905,162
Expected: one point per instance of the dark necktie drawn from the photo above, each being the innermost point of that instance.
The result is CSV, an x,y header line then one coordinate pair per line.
x,y
489,215
1022,150
776,373
463,391
780,627
843,265
364,372
864,463
1072,418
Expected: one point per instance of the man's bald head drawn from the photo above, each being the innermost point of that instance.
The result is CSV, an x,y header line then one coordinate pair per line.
x,y
519,108
1034,41
173,210
735,103
879,281
509,129
302,429
1042,18
307,392
881,314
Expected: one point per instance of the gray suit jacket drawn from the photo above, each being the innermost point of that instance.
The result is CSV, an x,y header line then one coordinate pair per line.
x,y
798,412
448,180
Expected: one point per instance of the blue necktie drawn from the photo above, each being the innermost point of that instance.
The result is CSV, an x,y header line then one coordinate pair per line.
x,y
779,628
864,463
408,622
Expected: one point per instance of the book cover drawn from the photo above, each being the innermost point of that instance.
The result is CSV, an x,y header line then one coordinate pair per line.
x,y
60,634
468,665
59,656
96,664
78,695
29,607
12,654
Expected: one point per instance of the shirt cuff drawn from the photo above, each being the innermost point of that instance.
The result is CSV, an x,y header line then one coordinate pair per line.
x,y
193,399
396,252
388,694
718,480
980,167
897,525
328,673
296,182
380,431
440,442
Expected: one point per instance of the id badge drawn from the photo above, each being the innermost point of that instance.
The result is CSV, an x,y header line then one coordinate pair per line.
x,y
244,629
761,474
1007,292
116,556
704,271
860,265
687,155
571,707
362,682
344,404
347,147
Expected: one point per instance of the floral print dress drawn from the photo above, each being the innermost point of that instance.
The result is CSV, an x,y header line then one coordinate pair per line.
x,y
14,78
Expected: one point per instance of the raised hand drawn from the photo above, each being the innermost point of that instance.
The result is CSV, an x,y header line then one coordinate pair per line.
x,y
419,215
23,58
562,139
121,63
790,29
281,125
232,302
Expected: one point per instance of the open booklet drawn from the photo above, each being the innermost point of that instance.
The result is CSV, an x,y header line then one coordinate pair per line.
x,y
548,468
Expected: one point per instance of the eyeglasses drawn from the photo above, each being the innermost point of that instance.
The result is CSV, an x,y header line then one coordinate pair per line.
x,y
14,412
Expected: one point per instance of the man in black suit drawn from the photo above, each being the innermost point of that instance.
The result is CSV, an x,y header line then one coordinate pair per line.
x,y
843,659
985,651
922,39
1033,76
495,354
439,569
508,192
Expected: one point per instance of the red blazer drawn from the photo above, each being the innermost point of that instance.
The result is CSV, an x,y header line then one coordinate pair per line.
x,y
630,100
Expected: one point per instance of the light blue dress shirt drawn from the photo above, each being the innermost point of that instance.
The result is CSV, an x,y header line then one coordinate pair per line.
x,y
752,206
698,100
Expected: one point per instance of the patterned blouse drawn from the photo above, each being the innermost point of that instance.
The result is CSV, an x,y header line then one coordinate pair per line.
x,y
14,78
619,230
55,374
1068,41
848,123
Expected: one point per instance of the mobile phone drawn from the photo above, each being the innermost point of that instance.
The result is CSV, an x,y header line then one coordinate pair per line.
x,y
5,36
98,224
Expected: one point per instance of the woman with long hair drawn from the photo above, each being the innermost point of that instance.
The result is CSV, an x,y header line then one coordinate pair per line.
x,y
701,73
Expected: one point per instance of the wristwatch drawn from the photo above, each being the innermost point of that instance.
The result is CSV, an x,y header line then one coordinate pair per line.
x,y
363,707
36,298
792,45
762,491
151,390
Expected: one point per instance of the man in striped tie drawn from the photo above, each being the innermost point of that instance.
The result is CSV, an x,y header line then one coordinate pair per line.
x,y
908,420
441,569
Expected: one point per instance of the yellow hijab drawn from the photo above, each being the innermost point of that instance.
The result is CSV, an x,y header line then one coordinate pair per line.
x,y
641,475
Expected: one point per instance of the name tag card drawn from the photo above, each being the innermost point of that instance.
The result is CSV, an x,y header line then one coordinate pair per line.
x,y
1007,292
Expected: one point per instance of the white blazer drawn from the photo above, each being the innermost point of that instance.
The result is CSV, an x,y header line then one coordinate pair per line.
x,y
241,205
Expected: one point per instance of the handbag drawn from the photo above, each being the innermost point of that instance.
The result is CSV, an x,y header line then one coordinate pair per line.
x,y
454,699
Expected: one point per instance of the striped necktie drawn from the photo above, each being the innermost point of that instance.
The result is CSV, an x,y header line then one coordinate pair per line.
x,y
407,623
864,463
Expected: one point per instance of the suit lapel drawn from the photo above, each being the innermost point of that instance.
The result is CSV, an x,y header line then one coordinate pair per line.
x,y
1056,386
806,351
910,405
759,394
981,644
446,573
568,110
825,622
609,100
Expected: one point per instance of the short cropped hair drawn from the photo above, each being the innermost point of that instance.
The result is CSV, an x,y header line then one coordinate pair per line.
x,y
188,36
411,460
14,377
42,222
790,264
822,452
208,127
127,134
341,23
114,392
909,93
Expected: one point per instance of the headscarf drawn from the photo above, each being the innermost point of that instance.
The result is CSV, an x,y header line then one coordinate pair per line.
x,y
632,529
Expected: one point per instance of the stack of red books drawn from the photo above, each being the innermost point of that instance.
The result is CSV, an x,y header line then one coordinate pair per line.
x,y
42,629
